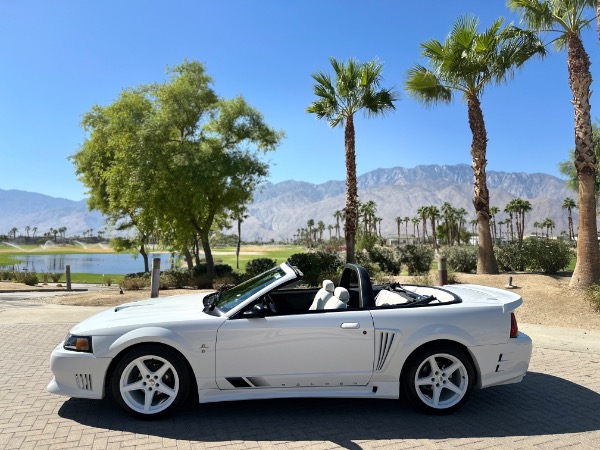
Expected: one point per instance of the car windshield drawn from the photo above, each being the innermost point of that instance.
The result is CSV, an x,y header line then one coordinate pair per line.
x,y
231,298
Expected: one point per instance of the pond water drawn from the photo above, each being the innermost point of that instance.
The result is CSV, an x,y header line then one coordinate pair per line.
x,y
99,263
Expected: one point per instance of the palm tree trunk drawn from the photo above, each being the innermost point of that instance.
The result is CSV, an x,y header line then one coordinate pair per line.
x,y
351,190
598,18
486,262
587,268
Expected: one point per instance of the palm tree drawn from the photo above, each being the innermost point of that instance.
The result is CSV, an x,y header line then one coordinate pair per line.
x,y
27,228
330,229
548,223
569,204
415,221
433,213
447,213
34,229
510,209
337,215
536,225
356,87
461,213
422,212
310,224
13,231
467,62
519,207
566,18
320,229
398,223
494,210
239,215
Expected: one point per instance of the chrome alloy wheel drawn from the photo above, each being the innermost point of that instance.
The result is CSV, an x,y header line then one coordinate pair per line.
x,y
149,384
441,381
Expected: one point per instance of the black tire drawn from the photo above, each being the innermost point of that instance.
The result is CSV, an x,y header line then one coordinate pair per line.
x,y
150,381
428,385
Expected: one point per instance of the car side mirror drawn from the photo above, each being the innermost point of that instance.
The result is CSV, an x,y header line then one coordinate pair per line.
x,y
258,310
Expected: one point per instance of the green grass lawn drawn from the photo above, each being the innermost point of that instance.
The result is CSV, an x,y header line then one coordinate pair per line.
x,y
279,253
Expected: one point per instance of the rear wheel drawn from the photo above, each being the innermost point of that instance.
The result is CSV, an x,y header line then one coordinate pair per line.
x,y
150,381
438,379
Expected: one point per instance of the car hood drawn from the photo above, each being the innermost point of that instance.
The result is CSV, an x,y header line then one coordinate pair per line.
x,y
472,294
151,312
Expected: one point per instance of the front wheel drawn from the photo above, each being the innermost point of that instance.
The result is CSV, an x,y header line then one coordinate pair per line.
x,y
150,381
438,379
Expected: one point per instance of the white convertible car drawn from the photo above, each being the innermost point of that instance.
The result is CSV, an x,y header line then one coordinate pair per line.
x,y
266,339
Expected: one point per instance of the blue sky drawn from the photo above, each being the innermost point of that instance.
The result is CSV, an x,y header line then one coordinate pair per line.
x,y
59,58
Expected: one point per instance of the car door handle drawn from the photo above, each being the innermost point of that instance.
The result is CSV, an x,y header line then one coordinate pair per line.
x,y
351,325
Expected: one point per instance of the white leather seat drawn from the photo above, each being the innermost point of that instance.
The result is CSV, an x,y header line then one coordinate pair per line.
x,y
339,300
323,295
388,298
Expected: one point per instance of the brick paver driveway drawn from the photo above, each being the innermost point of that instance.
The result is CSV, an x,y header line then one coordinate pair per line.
x,y
556,406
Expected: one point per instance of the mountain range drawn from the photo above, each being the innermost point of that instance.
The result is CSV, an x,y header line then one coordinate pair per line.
x,y
280,209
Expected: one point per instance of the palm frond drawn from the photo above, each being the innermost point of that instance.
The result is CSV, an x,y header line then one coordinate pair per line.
x,y
423,85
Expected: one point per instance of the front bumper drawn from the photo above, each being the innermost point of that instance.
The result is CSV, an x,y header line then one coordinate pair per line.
x,y
503,363
77,374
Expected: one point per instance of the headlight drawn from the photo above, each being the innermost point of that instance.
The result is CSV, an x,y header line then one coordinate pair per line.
x,y
78,343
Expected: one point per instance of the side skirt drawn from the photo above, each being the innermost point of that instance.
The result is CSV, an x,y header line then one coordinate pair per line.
x,y
389,390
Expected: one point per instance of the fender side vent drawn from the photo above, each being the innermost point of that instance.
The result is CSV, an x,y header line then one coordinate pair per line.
x,y
383,343
238,382
84,381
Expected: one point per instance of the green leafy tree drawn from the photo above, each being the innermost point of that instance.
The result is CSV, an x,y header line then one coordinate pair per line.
x,y
174,159
566,19
569,204
355,87
467,62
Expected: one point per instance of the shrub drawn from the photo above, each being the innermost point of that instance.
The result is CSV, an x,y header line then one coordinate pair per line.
x,y
55,276
259,265
387,259
225,282
548,256
316,266
201,281
138,275
135,283
175,279
28,278
462,259
510,257
366,241
220,269
6,275
417,258
592,295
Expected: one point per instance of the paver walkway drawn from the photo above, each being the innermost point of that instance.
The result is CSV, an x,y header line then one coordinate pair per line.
x,y
556,406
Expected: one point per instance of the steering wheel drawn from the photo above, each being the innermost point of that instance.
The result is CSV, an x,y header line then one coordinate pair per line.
x,y
270,304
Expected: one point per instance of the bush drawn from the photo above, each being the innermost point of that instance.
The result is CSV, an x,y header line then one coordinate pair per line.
x,y
220,269
462,258
592,295
510,257
28,278
259,265
317,266
136,283
175,279
548,256
387,259
55,276
6,275
225,282
417,258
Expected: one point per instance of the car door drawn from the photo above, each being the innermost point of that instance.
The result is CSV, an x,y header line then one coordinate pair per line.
x,y
318,349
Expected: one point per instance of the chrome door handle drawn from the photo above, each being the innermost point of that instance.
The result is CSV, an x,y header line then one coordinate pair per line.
x,y
351,325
